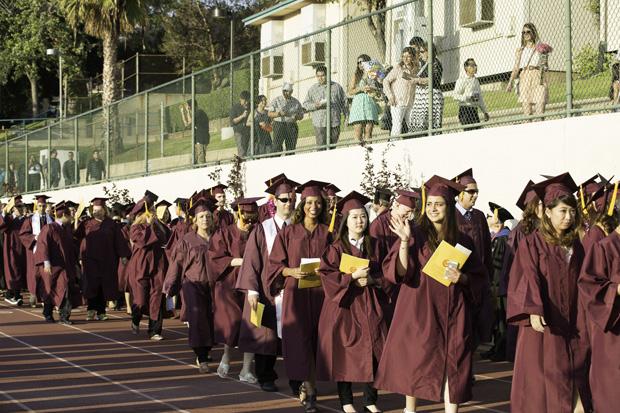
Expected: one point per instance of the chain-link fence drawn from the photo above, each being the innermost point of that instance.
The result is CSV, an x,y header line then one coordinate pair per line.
x,y
332,75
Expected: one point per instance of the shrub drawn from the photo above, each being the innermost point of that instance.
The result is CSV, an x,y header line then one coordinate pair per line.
x,y
586,62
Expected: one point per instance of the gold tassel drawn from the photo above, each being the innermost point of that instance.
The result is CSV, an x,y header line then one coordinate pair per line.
x,y
146,209
239,215
612,204
496,215
332,223
191,203
423,198
583,201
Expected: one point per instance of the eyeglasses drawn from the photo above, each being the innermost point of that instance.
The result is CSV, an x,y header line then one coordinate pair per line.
x,y
471,191
526,32
359,62
284,200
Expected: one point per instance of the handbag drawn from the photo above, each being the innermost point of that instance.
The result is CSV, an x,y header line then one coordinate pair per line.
x,y
517,80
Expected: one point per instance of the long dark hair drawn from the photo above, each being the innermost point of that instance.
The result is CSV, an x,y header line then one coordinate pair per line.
x,y
530,221
299,214
413,52
534,33
343,234
359,72
570,235
449,227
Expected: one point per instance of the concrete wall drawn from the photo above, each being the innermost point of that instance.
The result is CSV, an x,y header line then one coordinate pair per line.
x,y
503,160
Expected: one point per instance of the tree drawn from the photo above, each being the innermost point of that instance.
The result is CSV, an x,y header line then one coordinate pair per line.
x,y
376,23
30,27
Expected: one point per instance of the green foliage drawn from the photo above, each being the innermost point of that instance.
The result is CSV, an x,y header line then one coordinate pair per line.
x,y
116,194
236,178
586,62
594,6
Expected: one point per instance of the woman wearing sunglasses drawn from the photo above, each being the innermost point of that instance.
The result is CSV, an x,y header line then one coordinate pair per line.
x,y
364,113
532,87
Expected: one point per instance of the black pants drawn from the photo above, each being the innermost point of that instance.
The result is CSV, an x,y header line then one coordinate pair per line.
x,y
155,326
242,139
285,133
321,136
64,311
345,393
264,365
15,294
202,353
97,303
469,115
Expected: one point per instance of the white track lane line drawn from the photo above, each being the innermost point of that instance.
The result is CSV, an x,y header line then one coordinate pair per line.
x,y
93,373
165,357
17,402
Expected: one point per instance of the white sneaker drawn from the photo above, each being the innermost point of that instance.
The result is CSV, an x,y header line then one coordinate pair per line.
x,y
156,337
202,367
90,315
248,378
222,369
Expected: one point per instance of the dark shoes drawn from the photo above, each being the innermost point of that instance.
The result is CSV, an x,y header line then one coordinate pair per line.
x,y
50,319
135,328
269,386
65,321
310,404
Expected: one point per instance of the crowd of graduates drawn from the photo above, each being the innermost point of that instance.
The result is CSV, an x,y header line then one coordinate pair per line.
x,y
277,279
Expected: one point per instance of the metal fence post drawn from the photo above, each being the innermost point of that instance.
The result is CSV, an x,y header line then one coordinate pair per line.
x,y
328,90
161,128
252,105
107,141
193,124
49,158
6,159
137,73
76,153
569,57
26,163
429,64
146,133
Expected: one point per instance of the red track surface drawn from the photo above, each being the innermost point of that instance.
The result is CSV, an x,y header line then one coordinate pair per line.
x,y
102,367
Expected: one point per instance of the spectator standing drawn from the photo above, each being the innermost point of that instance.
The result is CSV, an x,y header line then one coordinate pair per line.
x,y
238,120
533,88
418,120
285,111
95,169
316,103
35,171
11,178
399,87
68,171
468,94
614,88
54,172
364,114
202,136
262,127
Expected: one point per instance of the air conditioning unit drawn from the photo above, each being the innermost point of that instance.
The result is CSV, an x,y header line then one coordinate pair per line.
x,y
272,65
312,53
476,13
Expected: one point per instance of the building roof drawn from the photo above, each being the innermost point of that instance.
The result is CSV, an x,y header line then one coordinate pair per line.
x,y
275,12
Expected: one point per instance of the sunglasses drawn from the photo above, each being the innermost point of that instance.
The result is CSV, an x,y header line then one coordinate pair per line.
x,y
471,191
284,200
360,62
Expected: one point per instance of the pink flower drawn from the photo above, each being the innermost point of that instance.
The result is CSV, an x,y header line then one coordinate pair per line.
x,y
544,48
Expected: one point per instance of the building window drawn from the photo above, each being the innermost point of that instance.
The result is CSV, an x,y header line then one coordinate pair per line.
x,y
476,13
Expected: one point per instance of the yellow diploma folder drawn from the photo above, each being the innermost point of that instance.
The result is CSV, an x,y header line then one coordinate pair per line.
x,y
309,265
256,316
349,264
443,255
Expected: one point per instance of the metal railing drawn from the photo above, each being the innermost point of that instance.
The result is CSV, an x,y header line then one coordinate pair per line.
x,y
186,123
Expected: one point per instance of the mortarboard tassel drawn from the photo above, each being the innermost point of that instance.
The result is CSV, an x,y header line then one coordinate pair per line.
x,y
583,201
332,223
612,204
496,215
239,215
191,202
423,199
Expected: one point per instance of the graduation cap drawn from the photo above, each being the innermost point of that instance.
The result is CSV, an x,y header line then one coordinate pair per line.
x,y
181,203
246,204
592,185
555,187
273,180
605,198
331,190
382,194
161,207
407,198
466,177
439,186
98,201
140,207
282,186
127,208
217,189
71,204
41,199
202,204
163,203
61,209
150,197
500,213
527,196
311,188
353,200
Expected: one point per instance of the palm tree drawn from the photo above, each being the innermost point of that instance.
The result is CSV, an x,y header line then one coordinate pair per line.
x,y
106,20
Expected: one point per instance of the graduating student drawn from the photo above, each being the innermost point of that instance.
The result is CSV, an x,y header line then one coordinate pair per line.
x,y
124,226
28,234
268,209
352,329
225,257
188,272
163,213
306,237
101,248
180,226
181,208
263,341
550,373
147,268
14,252
428,350
57,264
222,217
600,223
381,203
599,289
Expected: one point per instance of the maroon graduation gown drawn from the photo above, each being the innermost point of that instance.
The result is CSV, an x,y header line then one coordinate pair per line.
x,y
227,243
594,235
352,329
123,286
14,252
512,244
478,230
301,308
548,364
29,241
101,247
190,266
222,218
598,288
55,244
431,334
252,339
264,211
147,267
179,230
